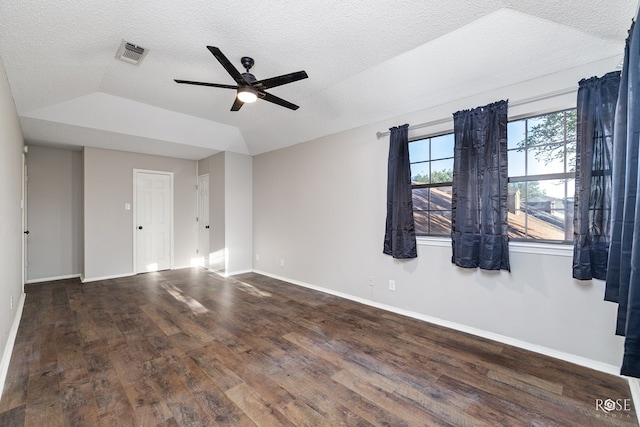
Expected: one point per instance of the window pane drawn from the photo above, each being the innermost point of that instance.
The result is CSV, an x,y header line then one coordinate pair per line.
x,y
546,223
551,189
432,163
516,163
543,211
419,151
440,222
513,186
515,195
442,171
540,225
568,223
517,221
545,159
515,134
545,129
432,210
571,189
571,124
440,198
442,146
571,157
420,173
421,220
420,198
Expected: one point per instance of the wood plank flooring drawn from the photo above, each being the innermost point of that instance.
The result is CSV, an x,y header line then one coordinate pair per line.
x,y
189,348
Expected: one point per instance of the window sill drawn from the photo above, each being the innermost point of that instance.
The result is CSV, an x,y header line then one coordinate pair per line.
x,y
433,241
558,249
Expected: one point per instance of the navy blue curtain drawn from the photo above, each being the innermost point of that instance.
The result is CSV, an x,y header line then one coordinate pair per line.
x,y
400,234
623,274
479,205
597,98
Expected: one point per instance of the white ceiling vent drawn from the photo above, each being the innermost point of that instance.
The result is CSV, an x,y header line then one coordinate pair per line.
x,y
129,52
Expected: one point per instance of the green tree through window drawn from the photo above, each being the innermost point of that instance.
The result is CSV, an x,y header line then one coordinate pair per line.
x,y
444,175
547,133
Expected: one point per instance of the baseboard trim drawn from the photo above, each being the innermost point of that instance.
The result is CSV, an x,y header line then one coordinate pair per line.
x,y
119,276
8,350
567,357
235,273
115,276
51,279
634,386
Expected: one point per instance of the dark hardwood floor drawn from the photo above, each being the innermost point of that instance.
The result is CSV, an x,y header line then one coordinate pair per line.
x,y
188,348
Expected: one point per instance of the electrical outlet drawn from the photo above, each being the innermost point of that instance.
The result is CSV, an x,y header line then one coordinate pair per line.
x,y
257,257
282,262
392,285
370,282
11,302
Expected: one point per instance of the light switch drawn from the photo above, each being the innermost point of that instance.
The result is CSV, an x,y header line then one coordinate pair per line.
x,y
127,206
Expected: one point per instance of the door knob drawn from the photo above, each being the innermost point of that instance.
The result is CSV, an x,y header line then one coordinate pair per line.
x,y
139,227
26,232
206,227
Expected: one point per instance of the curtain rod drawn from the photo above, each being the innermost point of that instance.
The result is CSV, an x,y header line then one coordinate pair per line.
x,y
511,104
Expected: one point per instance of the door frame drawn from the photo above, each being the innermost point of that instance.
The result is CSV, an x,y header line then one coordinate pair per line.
x,y
205,257
134,215
25,225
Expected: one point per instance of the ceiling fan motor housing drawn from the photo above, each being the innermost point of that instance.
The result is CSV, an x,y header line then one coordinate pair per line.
x,y
250,78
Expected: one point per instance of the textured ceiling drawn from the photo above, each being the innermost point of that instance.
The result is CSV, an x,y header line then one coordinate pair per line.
x,y
367,61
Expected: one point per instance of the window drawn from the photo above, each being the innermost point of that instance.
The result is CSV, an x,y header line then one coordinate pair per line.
x,y
542,159
431,179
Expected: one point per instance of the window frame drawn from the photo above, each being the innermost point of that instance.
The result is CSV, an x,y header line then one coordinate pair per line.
x,y
566,176
448,184
528,245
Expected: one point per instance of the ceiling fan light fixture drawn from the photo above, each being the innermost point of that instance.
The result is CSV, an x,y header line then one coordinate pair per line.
x,y
247,95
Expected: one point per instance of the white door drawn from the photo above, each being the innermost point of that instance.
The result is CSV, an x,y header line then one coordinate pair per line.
x,y
203,220
25,226
152,221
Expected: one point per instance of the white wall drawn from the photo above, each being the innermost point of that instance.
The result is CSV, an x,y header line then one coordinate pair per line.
x,y
214,166
319,208
108,227
230,211
54,213
11,144
238,212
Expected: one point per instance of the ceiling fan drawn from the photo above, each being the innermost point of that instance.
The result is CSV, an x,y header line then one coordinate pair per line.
x,y
248,87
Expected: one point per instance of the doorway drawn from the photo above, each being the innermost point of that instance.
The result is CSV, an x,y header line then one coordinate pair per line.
x,y
203,220
25,225
153,220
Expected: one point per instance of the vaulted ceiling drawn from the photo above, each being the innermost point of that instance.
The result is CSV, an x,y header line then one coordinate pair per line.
x,y
367,61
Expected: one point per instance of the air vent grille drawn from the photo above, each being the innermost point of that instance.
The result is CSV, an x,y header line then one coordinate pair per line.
x,y
131,53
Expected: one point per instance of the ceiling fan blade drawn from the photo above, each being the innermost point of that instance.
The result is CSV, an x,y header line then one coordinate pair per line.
x,y
280,80
206,84
272,98
237,104
233,71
